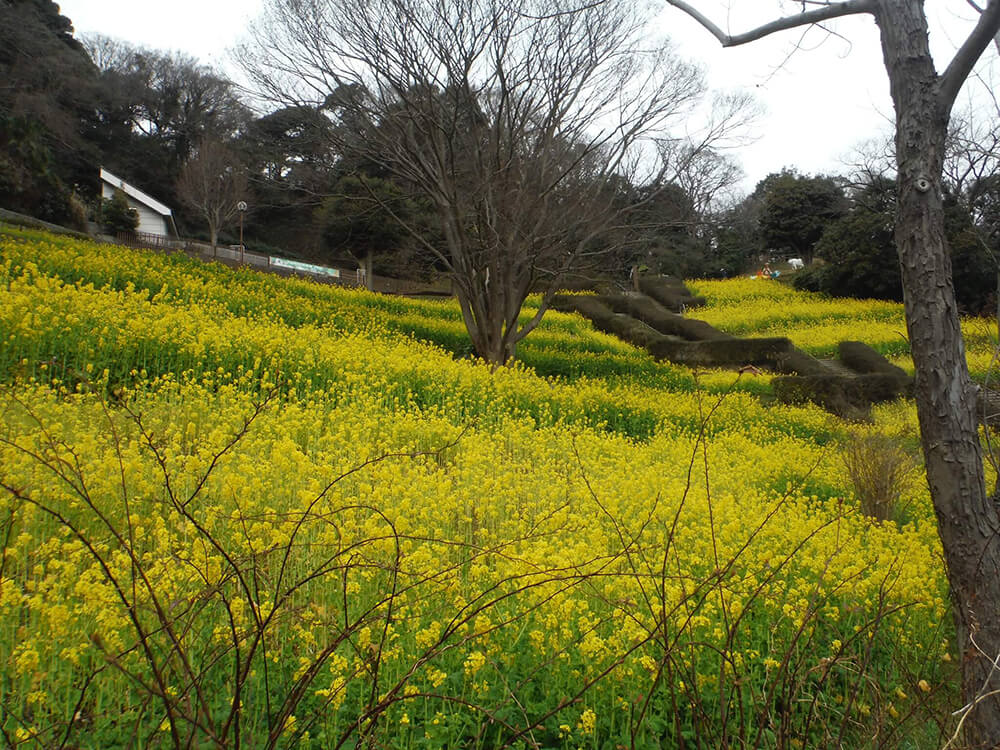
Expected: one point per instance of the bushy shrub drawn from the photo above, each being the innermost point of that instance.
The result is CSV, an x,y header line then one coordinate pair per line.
x,y
973,267
117,215
809,279
860,256
882,471
77,210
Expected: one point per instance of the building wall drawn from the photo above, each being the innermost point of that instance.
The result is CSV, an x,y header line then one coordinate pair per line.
x,y
149,221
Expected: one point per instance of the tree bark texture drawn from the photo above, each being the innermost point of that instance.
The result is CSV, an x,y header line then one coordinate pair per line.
x,y
491,303
968,523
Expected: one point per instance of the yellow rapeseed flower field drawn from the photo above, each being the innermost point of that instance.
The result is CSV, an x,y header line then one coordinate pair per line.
x,y
247,510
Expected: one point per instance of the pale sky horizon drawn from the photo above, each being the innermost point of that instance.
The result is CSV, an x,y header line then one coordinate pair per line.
x,y
821,101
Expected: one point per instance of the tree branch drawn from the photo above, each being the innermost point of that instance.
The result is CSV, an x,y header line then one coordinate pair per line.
x,y
825,13
987,30
996,36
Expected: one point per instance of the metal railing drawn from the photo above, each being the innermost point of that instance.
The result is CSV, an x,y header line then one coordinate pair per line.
x,y
235,255
232,255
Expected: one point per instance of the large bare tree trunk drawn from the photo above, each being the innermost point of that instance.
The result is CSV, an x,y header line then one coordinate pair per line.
x,y
968,522
946,397
490,309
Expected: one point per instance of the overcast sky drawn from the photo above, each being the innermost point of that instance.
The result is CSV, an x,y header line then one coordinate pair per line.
x,y
822,93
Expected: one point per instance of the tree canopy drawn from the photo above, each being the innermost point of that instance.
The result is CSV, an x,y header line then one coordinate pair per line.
x,y
512,119
47,83
795,210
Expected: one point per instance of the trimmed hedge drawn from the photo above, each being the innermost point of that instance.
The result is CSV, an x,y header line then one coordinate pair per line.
x,y
605,319
667,336
798,362
655,315
864,359
669,292
850,397
634,317
764,352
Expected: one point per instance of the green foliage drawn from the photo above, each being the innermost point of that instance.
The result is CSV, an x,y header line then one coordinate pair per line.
x,y
667,235
46,109
809,279
117,215
29,181
974,263
984,198
364,215
737,239
289,149
796,209
860,257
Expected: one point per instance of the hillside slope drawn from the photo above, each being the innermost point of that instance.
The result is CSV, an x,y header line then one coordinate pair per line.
x,y
241,504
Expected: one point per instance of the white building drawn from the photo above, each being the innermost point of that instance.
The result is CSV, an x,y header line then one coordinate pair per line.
x,y
154,217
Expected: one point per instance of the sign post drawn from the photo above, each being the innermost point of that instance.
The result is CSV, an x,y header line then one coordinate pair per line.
x,y
242,208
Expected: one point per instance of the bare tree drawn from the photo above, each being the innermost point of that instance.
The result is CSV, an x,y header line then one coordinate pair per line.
x,y
968,523
213,182
979,9
972,166
872,161
517,119
711,180
107,52
973,153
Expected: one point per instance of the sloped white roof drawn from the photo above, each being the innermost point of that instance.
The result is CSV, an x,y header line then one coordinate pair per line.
x,y
134,192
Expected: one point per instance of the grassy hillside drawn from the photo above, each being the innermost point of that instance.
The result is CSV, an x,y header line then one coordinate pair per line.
x,y
244,509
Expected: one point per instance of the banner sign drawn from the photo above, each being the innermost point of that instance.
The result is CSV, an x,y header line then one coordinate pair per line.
x,y
294,265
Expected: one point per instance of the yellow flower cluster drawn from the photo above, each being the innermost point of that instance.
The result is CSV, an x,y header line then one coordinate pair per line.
x,y
816,324
222,509
73,330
